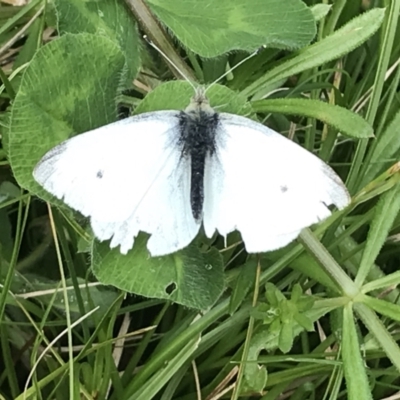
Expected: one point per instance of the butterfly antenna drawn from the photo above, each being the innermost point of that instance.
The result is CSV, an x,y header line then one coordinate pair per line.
x,y
152,44
254,53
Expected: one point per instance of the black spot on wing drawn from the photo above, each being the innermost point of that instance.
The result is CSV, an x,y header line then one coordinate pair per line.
x,y
99,174
284,188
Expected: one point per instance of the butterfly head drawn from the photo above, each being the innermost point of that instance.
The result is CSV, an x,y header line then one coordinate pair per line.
x,y
199,103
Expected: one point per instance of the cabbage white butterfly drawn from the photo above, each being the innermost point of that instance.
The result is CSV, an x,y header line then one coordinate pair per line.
x,y
169,172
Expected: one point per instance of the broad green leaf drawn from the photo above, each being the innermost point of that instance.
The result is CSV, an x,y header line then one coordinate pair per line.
x,y
353,365
347,122
110,19
54,104
386,210
188,277
341,42
211,28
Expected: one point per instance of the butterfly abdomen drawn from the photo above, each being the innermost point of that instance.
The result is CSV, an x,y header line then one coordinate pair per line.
x,y
197,139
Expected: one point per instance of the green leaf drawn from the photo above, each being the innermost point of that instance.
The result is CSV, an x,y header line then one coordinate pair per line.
x,y
267,338
383,150
8,191
273,295
211,28
320,11
304,322
110,19
326,260
266,313
347,122
6,241
31,45
384,282
255,376
255,379
244,282
353,364
53,104
297,292
382,336
163,375
305,303
283,314
311,268
341,42
382,307
286,336
188,277
276,326
386,211
98,296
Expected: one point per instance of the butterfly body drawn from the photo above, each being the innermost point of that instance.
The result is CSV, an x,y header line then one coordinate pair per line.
x,y
198,126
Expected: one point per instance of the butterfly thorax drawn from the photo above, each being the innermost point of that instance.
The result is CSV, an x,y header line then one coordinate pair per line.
x,y
197,125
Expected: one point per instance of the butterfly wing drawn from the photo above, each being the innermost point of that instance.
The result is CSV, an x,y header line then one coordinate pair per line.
x,y
128,176
265,186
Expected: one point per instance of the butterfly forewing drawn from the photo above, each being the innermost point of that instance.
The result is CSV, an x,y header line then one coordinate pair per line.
x,y
265,186
127,177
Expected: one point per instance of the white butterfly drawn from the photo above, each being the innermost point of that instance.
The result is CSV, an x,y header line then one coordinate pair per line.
x,y
168,172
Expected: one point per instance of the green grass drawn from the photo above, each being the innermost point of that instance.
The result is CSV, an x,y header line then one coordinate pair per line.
x,y
318,319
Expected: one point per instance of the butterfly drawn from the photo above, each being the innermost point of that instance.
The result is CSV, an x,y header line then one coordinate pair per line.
x,y
167,173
